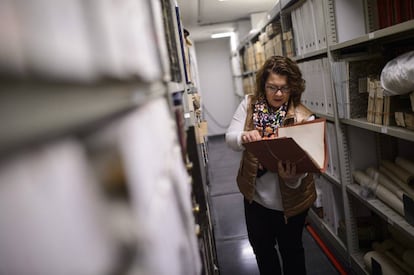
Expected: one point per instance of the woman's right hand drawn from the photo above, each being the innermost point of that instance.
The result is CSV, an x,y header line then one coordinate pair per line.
x,y
250,136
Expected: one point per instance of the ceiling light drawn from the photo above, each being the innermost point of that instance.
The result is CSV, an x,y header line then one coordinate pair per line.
x,y
222,34
223,0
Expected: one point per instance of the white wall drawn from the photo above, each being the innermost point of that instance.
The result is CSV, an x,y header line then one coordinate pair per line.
x,y
243,28
216,83
257,19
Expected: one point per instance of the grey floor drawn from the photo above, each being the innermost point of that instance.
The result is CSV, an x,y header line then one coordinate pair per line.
x,y
234,253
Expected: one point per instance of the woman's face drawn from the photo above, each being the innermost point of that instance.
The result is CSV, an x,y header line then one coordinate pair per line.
x,y
277,90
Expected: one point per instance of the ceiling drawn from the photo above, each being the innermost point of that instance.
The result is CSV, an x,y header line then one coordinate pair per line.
x,y
205,17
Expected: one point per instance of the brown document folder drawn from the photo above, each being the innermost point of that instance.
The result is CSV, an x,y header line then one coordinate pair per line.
x,y
270,151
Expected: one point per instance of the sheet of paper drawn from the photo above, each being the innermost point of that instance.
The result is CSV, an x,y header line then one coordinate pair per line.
x,y
310,137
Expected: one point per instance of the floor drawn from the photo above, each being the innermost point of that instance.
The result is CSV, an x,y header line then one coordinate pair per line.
x,y
234,253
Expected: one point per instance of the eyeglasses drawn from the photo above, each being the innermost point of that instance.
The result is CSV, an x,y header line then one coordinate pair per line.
x,y
274,89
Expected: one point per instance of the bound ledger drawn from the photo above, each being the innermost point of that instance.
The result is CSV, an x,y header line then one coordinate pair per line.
x,y
303,144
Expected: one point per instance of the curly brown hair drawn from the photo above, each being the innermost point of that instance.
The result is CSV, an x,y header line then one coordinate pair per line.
x,y
282,66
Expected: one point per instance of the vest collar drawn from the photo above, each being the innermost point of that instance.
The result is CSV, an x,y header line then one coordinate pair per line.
x,y
291,113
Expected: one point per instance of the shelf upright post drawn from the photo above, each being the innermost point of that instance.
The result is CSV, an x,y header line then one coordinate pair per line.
x,y
340,130
282,27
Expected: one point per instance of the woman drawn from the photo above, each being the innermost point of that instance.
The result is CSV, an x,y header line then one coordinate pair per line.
x,y
276,204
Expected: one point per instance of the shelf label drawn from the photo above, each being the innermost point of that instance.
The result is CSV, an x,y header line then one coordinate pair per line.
x,y
371,35
384,130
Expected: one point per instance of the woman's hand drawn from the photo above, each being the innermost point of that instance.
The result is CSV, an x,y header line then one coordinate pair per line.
x,y
287,170
250,136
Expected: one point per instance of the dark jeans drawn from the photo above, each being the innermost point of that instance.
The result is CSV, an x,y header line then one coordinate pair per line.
x,y
265,227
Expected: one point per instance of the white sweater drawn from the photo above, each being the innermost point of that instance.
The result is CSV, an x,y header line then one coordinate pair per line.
x,y
267,186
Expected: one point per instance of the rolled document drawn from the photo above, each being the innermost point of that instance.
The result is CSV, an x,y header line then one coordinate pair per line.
x,y
395,252
383,180
380,191
401,237
400,172
397,248
387,265
381,247
390,199
364,180
408,257
396,180
400,263
406,164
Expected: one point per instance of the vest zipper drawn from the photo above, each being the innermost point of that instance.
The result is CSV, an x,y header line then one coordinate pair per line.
x,y
286,219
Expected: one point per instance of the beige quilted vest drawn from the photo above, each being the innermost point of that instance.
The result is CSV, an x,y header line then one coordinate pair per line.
x,y
295,200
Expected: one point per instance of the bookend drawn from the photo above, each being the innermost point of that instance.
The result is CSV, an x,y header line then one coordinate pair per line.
x,y
408,209
375,267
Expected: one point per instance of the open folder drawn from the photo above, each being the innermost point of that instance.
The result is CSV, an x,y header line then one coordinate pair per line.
x,y
303,144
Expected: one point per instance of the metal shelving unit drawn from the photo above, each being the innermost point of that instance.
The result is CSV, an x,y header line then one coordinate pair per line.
x,y
357,263
249,73
311,54
332,179
393,31
32,112
52,108
369,43
328,117
327,234
394,131
384,211
246,40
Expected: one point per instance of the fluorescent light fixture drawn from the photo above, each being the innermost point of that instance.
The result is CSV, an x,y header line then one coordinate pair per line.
x,y
222,34
223,0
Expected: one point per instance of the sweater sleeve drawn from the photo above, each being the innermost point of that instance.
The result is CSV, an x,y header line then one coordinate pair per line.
x,y
236,128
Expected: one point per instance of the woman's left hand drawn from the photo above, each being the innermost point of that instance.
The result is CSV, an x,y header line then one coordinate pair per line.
x,y
287,170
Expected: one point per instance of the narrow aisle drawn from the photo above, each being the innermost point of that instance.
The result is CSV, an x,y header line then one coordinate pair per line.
x,y
234,253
